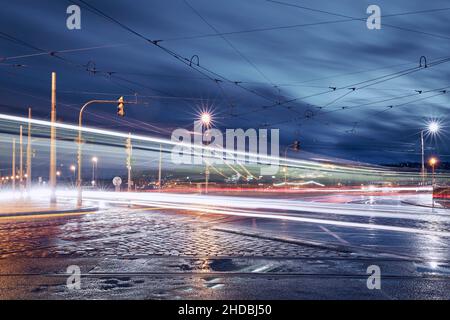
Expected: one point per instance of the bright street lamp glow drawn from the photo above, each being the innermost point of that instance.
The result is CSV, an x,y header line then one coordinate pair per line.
x,y
433,127
72,168
205,118
94,159
433,161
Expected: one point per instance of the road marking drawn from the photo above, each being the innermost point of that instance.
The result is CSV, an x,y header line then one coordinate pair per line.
x,y
334,235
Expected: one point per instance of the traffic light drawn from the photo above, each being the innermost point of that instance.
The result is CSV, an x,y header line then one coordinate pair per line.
x,y
296,145
120,110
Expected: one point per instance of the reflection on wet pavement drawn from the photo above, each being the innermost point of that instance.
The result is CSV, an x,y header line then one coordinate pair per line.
x,y
139,253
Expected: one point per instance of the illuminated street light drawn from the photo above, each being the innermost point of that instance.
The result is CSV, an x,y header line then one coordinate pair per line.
x,y
433,161
73,168
205,118
94,167
432,128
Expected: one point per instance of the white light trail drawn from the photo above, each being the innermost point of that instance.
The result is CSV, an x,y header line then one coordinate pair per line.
x,y
276,216
242,206
263,159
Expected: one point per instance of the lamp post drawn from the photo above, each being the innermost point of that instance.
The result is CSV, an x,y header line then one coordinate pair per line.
x,y
120,112
433,162
28,182
206,120
94,169
13,171
73,169
296,147
432,128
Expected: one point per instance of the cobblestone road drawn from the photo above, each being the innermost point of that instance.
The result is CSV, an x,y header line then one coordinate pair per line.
x,y
128,233
162,254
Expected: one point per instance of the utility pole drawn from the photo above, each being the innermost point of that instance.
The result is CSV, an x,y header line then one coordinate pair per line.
x,y
21,159
423,159
206,178
160,167
129,153
53,143
29,152
14,165
294,146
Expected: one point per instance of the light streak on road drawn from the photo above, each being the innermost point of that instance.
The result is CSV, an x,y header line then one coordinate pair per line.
x,y
276,216
261,208
382,211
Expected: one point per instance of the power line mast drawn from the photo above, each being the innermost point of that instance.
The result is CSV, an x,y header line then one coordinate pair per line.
x,y
21,159
13,177
29,153
160,167
53,143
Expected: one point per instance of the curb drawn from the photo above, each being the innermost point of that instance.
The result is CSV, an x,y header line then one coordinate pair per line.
x,y
50,212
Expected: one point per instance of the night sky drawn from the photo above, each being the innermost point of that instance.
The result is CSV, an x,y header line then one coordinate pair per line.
x,y
254,57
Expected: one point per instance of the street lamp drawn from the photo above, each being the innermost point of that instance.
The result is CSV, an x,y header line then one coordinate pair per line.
x,y
433,161
120,112
432,128
73,169
206,120
94,167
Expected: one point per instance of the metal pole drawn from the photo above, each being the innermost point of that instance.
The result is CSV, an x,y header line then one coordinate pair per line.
x,y
129,152
160,167
14,165
206,178
21,158
53,143
423,158
93,173
29,152
432,185
79,191
433,181
285,167
204,127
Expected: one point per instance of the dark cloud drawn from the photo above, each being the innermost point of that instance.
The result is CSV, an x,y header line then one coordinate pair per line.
x,y
336,54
